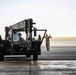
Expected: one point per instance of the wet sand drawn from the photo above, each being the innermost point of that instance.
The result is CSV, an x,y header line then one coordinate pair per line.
x,y
60,67
51,62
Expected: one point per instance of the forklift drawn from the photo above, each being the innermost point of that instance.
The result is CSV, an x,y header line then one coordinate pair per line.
x,y
28,45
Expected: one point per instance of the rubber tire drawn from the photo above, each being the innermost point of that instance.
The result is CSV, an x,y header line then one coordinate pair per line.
x,y
35,57
1,57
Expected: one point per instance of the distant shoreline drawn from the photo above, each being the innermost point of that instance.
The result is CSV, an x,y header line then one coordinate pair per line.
x,y
64,37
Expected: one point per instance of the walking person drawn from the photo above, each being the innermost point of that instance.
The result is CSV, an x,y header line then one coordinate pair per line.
x,y
47,39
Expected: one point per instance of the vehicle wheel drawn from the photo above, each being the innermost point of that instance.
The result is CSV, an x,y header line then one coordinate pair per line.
x,y
35,57
1,57
28,55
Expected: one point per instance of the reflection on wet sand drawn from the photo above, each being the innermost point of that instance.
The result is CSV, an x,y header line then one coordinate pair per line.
x,y
59,67
53,67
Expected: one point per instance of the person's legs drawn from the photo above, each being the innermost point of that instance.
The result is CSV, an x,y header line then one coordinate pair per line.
x,y
47,46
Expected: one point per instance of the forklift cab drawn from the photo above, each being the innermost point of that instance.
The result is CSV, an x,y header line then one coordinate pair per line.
x,y
20,34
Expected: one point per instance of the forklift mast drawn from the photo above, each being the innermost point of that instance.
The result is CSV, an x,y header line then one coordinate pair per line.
x,y
25,25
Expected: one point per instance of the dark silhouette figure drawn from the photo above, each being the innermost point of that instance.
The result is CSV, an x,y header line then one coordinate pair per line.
x,y
1,45
21,39
1,42
39,37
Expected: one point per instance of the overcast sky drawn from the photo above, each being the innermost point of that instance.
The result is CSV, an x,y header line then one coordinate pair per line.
x,y
57,16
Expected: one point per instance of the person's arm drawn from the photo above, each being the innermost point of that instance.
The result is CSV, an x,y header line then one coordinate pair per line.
x,y
50,36
1,44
